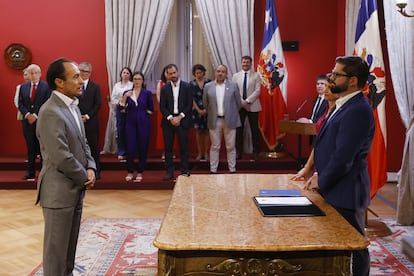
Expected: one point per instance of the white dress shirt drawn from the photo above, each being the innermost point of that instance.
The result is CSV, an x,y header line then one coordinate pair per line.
x,y
72,105
220,88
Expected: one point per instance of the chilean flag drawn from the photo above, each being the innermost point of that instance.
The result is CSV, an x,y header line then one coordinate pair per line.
x,y
368,47
272,69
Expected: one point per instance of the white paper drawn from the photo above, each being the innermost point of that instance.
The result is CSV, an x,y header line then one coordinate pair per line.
x,y
283,200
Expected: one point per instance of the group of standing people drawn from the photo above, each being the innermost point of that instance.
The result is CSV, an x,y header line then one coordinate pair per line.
x,y
34,92
53,120
214,108
228,102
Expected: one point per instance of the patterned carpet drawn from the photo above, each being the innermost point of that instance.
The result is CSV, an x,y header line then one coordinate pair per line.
x,y
386,255
115,247
124,247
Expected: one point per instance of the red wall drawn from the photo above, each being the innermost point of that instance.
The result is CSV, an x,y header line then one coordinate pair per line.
x,y
50,29
53,29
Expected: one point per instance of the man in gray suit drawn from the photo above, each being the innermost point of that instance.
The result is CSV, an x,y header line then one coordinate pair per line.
x,y
222,101
68,168
249,86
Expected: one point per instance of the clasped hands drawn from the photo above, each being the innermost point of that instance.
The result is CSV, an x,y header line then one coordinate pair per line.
x,y
175,120
31,119
246,105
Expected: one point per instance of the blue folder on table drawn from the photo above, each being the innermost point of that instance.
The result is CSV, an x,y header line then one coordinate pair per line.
x,y
266,192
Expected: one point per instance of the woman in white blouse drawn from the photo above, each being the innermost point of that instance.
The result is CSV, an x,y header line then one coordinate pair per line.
x,y
117,92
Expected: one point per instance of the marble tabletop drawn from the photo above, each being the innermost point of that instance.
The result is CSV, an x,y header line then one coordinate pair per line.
x,y
217,212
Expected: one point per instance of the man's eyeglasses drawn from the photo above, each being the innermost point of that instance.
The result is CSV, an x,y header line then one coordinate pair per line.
x,y
334,75
85,71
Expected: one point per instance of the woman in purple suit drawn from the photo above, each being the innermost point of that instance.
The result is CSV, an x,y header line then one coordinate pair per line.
x,y
138,105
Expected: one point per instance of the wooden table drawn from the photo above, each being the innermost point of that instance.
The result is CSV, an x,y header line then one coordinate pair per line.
x,y
213,227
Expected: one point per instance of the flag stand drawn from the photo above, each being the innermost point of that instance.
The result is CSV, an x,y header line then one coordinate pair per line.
x,y
272,154
375,228
277,151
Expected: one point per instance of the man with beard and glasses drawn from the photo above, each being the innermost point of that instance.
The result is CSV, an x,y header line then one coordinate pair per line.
x,y
341,148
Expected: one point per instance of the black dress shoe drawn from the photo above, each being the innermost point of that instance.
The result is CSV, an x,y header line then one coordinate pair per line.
x,y
185,174
213,172
167,177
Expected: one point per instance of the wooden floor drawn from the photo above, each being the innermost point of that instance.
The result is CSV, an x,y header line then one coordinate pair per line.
x,y
21,223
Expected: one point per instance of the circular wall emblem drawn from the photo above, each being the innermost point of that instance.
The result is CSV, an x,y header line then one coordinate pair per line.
x,y
17,56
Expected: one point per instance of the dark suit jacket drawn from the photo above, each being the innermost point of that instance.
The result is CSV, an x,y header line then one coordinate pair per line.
x,y
41,96
341,148
320,111
185,103
66,156
90,102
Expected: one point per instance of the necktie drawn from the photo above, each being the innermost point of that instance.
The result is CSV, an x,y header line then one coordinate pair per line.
x,y
83,89
245,86
315,110
33,93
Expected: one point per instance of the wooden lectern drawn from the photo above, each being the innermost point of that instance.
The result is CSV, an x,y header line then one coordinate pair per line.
x,y
300,129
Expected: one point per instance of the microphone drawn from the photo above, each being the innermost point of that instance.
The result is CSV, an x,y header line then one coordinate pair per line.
x,y
303,104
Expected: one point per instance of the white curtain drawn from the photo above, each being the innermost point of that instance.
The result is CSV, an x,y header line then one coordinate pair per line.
x,y
135,31
400,35
351,15
228,29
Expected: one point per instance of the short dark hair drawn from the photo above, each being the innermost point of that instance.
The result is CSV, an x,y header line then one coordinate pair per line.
x,y
198,67
56,70
139,73
142,75
171,65
322,77
247,57
355,66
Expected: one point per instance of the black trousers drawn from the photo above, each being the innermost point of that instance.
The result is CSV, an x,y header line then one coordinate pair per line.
x,y
169,132
360,258
32,144
253,118
92,135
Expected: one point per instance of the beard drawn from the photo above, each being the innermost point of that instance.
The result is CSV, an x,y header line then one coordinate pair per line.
x,y
337,89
